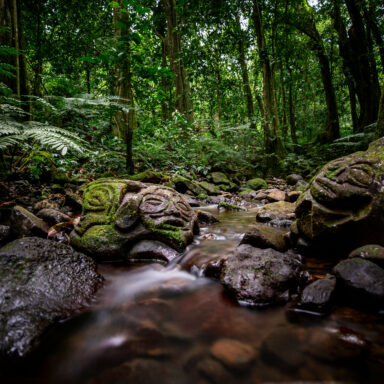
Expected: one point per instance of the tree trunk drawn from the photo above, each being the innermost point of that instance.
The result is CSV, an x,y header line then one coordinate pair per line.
x,y
244,71
125,119
183,97
273,143
380,119
164,83
292,118
10,16
353,48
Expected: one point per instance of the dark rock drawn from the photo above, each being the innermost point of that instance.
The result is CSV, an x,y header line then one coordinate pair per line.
x,y
343,207
210,188
260,276
318,295
25,223
53,216
192,202
73,200
184,185
214,371
293,179
263,236
206,218
153,250
362,279
41,281
371,252
233,354
217,199
301,185
118,213
5,234
293,196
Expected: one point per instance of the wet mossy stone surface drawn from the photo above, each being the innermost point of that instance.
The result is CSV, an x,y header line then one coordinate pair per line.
x,y
220,178
259,277
41,281
118,213
256,184
343,207
371,252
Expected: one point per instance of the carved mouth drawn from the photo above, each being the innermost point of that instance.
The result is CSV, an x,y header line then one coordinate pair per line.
x,y
174,222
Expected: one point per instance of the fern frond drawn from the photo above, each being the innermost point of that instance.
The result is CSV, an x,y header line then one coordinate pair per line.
x,y
10,128
9,141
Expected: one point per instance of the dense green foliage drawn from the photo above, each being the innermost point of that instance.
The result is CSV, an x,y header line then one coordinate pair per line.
x,y
74,56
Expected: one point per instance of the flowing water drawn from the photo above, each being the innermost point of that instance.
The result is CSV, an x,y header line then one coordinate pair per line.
x,y
156,324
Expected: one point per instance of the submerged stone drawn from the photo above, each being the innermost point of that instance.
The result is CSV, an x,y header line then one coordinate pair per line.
x,y
118,213
41,281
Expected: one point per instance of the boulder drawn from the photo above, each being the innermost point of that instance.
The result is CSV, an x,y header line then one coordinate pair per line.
x,y
46,204
362,280
220,178
276,195
318,295
184,185
53,216
41,282
263,236
280,213
192,202
5,234
342,208
230,207
206,218
260,276
210,188
257,183
118,214
293,196
293,179
371,252
25,223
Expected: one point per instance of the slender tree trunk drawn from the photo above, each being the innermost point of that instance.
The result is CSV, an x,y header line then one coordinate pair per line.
x,y
183,97
273,143
380,119
292,118
125,120
244,71
353,48
164,83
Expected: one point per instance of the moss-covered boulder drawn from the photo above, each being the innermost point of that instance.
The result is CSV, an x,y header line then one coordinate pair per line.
x,y
185,185
118,214
342,209
256,184
210,188
148,176
220,178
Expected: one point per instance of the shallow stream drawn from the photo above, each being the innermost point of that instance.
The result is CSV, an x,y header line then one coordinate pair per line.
x,y
156,324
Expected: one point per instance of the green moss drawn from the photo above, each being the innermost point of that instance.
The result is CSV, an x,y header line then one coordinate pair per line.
x,y
101,238
229,206
246,191
257,183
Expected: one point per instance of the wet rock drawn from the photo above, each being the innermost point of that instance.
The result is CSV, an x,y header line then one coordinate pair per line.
x,y
263,236
280,210
217,199
283,347
293,179
210,188
153,250
318,295
276,195
230,207
53,216
342,208
25,223
148,176
5,234
336,345
233,354
192,202
184,185
119,213
293,196
256,184
206,218
41,281
220,178
301,185
214,371
46,204
371,252
73,200
361,279
260,276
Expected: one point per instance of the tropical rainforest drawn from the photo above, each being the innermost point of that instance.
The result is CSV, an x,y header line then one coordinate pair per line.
x,y
191,191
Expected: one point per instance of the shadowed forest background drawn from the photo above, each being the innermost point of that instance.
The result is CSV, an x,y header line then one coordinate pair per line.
x,y
250,88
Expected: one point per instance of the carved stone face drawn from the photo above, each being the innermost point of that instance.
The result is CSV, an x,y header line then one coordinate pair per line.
x,y
344,201
119,214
